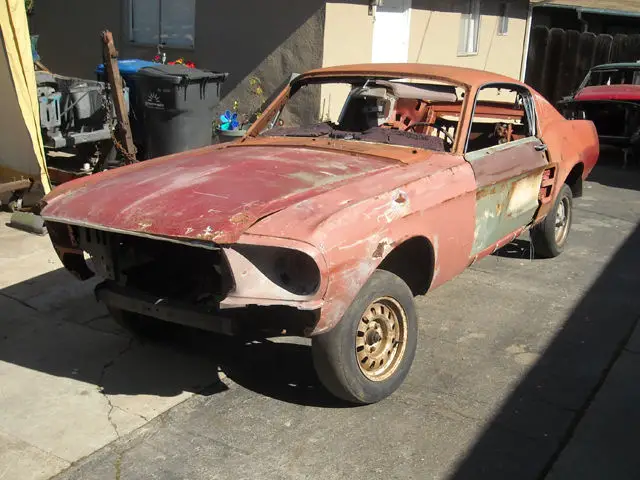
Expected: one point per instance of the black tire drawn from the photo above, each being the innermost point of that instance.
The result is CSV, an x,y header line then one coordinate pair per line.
x,y
547,242
336,356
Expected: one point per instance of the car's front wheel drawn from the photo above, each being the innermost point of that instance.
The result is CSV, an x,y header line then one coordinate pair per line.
x,y
367,356
549,237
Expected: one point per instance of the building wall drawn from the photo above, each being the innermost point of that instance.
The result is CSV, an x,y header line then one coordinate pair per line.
x,y
348,39
348,33
435,36
273,39
17,156
246,38
70,33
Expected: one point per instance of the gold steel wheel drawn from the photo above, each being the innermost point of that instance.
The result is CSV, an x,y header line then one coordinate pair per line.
x,y
381,339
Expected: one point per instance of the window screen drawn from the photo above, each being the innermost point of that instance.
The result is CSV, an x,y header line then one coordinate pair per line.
x,y
145,20
166,22
470,28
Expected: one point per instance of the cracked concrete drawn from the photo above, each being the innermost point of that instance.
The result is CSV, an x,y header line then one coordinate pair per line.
x,y
71,381
106,396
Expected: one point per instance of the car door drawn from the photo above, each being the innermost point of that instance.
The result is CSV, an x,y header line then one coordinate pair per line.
x,y
508,175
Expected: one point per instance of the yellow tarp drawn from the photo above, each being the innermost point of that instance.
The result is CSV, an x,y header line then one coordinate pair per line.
x,y
21,147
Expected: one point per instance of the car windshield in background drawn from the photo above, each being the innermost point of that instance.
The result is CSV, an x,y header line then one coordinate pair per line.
x,y
617,76
400,112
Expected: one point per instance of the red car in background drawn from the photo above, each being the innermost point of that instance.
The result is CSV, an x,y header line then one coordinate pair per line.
x,y
609,96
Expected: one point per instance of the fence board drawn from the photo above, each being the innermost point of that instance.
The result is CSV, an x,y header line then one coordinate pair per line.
x,y
559,59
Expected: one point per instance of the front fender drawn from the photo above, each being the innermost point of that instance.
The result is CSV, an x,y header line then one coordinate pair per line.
x,y
449,227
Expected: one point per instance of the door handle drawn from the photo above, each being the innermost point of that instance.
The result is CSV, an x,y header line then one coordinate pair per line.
x,y
541,148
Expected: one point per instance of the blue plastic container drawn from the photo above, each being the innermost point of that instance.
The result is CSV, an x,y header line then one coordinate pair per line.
x,y
128,67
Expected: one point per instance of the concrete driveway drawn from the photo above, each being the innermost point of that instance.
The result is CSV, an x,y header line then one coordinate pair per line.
x,y
512,355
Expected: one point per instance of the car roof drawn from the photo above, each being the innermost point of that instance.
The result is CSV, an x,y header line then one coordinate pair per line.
x,y
613,66
468,77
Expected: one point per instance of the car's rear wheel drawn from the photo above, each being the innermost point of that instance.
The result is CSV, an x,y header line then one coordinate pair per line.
x,y
550,236
367,356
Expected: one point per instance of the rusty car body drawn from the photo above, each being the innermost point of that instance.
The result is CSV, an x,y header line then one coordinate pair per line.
x,y
328,229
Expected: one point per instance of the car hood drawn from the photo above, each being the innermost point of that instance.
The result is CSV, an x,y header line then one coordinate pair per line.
x,y
210,194
609,92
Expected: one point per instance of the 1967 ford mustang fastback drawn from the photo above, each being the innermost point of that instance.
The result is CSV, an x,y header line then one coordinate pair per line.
x,y
329,216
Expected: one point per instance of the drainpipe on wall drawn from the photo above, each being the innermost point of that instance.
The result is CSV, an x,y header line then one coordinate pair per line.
x,y
527,41
583,22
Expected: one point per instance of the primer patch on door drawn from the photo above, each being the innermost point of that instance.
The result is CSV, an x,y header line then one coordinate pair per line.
x,y
524,196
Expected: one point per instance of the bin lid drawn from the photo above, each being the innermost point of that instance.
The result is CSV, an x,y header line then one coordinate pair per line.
x,y
128,66
178,74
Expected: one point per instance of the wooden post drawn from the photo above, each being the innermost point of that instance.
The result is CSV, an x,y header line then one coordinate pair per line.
x,y
110,55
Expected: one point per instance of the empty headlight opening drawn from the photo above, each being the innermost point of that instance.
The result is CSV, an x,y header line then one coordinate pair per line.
x,y
292,270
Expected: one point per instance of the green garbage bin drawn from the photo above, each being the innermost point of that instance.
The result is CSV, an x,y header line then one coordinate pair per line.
x,y
178,107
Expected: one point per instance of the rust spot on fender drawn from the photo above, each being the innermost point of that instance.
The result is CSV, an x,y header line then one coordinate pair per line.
x,y
486,192
239,218
379,251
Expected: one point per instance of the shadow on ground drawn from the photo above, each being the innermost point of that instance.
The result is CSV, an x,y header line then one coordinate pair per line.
x,y
552,398
613,176
610,172
55,326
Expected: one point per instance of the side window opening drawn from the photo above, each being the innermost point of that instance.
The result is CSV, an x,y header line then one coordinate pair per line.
x,y
502,114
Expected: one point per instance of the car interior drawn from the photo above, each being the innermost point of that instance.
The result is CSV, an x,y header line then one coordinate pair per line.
x,y
419,115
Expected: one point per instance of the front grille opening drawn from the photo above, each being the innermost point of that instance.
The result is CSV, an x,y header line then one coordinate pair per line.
x,y
170,270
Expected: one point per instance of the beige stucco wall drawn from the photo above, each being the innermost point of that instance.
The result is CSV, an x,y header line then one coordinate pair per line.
x,y
435,37
348,34
348,39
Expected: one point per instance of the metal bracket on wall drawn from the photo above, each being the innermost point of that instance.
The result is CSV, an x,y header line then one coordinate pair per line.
x,y
373,6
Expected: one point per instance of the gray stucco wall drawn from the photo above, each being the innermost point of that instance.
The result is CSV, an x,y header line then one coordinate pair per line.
x,y
270,39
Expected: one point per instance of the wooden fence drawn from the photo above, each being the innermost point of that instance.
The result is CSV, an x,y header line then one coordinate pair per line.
x,y
559,59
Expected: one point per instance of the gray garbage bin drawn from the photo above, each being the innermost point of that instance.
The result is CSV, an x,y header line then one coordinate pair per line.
x,y
178,107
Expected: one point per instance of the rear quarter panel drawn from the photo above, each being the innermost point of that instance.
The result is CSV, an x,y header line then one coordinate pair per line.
x,y
570,143
356,226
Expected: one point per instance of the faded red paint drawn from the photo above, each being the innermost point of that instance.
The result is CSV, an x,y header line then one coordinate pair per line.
x,y
503,242
213,195
506,163
346,204
456,75
349,224
609,92
572,143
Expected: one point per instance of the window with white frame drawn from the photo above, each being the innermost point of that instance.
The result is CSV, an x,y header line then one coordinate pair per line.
x,y
469,28
503,19
163,22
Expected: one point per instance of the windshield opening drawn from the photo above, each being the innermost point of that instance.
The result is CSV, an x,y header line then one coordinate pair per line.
x,y
406,112
618,76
